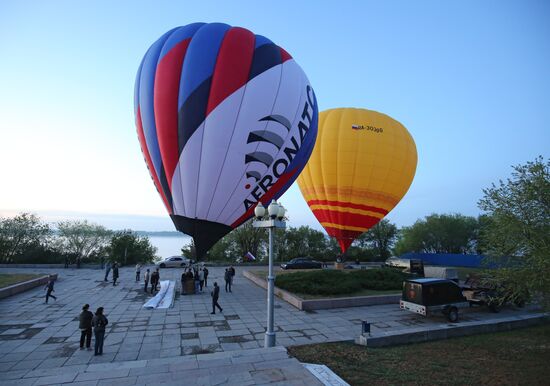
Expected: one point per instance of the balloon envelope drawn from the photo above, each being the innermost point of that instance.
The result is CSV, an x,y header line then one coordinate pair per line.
x,y
225,118
362,165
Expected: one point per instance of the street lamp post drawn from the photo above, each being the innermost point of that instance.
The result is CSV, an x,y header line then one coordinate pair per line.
x,y
276,214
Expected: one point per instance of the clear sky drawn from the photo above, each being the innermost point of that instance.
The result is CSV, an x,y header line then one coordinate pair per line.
x,y
469,79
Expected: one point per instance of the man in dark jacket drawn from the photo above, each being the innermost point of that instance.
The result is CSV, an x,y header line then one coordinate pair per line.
x,y
86,327
115,273
99,322
215,296
49,289
155,278
227,278
205,270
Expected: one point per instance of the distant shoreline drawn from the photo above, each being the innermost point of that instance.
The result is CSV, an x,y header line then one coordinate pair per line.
x,y
162,234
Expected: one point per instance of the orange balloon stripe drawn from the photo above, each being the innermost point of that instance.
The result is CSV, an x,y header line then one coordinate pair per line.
x,y
357,193
341,212
358,222
350,205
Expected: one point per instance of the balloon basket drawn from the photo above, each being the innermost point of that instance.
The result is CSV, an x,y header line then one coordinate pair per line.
x,y
338,265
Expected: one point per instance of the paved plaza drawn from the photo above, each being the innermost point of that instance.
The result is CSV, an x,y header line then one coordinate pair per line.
x,y
35,337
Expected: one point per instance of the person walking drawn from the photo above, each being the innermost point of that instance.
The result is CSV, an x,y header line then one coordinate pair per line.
x,y
138,272
99,322
205,270
85,326
146,278
49,289
227,278
215,296
115,273
107,270
201,278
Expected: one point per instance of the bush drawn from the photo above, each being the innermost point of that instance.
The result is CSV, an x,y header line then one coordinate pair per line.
x,y
330,282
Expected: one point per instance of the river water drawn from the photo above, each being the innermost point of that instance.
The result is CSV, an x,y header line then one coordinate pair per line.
x,y
169,245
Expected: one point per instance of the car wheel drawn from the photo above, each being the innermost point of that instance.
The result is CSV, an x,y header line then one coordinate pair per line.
x,y
162,265
182,265
494,307
452,315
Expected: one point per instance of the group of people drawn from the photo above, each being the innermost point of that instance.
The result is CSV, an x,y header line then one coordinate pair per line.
x,y
115,271
154,278
98,322
199,276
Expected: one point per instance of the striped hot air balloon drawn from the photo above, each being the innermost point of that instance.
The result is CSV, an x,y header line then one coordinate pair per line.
x,y
362,165
225,118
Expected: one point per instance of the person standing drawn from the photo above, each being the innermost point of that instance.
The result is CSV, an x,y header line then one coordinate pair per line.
x,y
138,272
85,326
205,270
227,278
107,270
49,289
215,296
197,281
232,273
201,278
155,278
183,281
115,273
146,278
99,322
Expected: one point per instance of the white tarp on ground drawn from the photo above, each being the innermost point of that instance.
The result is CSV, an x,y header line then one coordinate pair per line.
x,y
325,375
165,297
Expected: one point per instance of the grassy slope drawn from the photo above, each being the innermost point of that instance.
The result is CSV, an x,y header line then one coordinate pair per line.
x,y
9,279
519,357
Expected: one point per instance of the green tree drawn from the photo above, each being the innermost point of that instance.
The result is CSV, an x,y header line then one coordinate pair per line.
x,y
82,239
126,247
440,233
302,241
518,225
21,235
380,239
246,238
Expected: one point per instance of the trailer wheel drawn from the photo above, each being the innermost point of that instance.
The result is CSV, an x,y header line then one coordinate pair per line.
x,y
452,315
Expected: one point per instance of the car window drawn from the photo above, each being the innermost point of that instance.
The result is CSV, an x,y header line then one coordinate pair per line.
x,y
177,258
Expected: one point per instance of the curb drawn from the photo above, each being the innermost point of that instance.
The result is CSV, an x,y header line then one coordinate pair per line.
x,y
417,335
24,286
324,304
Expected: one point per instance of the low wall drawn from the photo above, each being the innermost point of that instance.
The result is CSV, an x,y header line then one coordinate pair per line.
x,y
72,266
425,334
324,304
24,286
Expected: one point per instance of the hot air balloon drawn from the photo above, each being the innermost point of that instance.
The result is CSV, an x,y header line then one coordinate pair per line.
x,y
362,165
225,119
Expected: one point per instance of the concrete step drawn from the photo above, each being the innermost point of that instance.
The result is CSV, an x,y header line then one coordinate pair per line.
x,y
242,367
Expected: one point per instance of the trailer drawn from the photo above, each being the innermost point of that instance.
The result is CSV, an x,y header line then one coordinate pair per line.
x,y
428,296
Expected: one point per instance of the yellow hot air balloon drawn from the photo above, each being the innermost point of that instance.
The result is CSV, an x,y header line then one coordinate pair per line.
x,y
362,164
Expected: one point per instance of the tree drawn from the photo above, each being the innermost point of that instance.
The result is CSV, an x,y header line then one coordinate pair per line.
x,y
248,239
380,239
82,238
22,234
440,233
518,225
126,247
